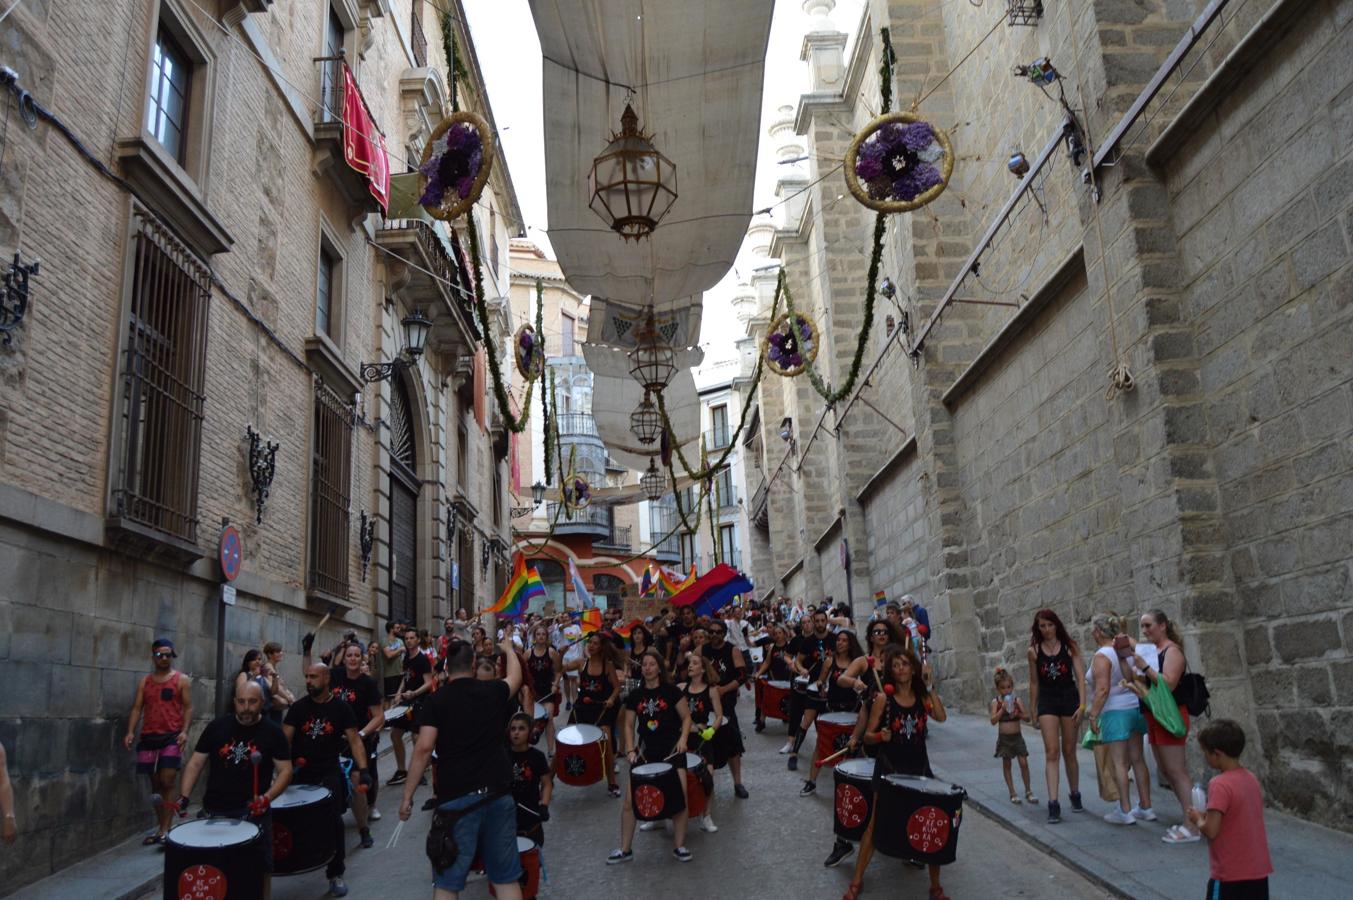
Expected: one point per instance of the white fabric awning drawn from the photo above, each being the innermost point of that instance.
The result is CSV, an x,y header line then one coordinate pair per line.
x,y
696,68
615,394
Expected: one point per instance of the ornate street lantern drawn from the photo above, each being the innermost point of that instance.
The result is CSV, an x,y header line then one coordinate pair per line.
x,y
632,184
653,482
652,361
646,421
538,493
416,328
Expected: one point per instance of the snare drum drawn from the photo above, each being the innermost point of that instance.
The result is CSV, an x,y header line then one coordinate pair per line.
x,y
397,717
656,791
833,733
530,869
854,799
775,700
302,829
801,684
918,818
699,784
220,859
579,755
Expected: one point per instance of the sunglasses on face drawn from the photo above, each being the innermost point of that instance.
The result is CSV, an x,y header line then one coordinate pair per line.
x,y
163,655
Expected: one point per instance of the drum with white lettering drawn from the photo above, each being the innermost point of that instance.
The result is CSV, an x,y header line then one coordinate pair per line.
x,y
656,790
214,859
854,798
918,818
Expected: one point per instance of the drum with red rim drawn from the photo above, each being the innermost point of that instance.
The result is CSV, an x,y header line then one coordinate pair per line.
x,y
699,784
579,756
854,799
918,818
833,733
530,869
302,829
214,859
656,790
774,700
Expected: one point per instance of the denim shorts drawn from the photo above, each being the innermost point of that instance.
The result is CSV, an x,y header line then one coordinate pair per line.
x,y
490,832
1120,724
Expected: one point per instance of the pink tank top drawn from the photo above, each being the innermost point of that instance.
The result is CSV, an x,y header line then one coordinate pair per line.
x,y
161,705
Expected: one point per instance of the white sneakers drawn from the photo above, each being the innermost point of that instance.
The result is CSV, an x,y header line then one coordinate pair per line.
x,y
374,815
707,824
789,745
1119,817
1144,815
649,826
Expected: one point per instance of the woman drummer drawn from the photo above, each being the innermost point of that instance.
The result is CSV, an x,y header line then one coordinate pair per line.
x,y
898,721
663,719
706,717
842,692
599,694
544,669
775,666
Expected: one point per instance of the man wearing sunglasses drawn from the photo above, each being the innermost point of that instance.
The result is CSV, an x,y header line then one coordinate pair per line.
x,y
164,707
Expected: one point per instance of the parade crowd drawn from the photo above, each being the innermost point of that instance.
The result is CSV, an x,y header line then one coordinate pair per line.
x,y
498,719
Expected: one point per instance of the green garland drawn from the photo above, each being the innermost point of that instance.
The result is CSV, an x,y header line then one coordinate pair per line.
x,y
886,72
834,396
457,68
515,425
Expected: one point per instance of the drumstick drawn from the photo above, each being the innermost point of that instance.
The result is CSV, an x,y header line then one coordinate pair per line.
x,y
256,758
827,759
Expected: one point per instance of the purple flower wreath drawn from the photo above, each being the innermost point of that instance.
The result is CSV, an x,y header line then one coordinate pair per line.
x,y
897,162
577,493
789,346
453,165
530,355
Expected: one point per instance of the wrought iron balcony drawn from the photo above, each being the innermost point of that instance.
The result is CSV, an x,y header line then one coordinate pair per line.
x,y
733,558
329,158
436,278
577,424
593,521
759,511
618,539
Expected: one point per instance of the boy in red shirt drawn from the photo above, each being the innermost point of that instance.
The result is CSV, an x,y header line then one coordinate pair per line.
x,y
1237,847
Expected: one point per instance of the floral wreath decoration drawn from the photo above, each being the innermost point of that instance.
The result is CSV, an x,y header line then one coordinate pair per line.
x,y
790,348
455,166
529,352
575,492
898,163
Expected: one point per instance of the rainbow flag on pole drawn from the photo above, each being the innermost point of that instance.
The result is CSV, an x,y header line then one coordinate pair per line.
x,y
880,598
524,586
589,619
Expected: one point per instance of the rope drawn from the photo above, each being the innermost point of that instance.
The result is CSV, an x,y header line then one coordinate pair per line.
x,y
921,97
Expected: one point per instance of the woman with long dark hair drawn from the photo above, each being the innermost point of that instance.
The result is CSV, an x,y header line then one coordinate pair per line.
x,y
898,727
599,693
841,692
1057,692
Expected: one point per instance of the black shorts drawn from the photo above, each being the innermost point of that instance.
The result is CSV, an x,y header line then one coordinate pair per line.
x,y
1256,889
1062,707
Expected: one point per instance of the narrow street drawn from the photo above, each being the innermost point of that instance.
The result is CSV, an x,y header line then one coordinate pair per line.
x,y
771,845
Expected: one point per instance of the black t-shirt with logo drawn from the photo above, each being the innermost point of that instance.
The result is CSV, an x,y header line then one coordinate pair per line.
x,y
360,694
657,717
529,767
230,772
814,651
320,734
471,718
416,665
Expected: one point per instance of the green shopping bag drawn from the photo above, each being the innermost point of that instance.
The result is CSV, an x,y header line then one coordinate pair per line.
x,y
1162,706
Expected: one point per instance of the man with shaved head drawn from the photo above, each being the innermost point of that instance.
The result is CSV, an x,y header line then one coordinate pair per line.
x,y
230,744
319,726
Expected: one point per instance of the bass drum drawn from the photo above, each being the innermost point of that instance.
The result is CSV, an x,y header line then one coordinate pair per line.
x,y
214,859
656,791
918,818
579,755
854,799
302,829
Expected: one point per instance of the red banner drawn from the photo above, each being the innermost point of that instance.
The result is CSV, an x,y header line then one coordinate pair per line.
x,y
363,144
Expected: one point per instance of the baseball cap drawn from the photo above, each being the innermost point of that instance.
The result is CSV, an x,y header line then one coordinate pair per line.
x,y
163,642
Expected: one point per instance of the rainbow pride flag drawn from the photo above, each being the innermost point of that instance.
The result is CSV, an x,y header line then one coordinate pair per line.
x,y
646,586
590,619
628,628
524,586
880,598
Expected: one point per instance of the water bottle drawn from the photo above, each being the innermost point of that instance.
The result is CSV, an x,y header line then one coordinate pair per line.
x,y
1009,700
1198,797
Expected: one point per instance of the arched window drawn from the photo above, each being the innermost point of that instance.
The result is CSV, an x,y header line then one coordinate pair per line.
x,y
404,486
608,586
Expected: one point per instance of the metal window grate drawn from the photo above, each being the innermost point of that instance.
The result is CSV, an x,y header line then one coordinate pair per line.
x,y
330,515
162,384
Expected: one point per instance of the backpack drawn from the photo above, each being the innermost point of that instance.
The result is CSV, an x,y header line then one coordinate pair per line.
x,y
1193,694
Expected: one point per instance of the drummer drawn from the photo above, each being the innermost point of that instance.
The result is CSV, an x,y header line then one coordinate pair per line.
x,y
898,726
812,655
544,669
663,718
776,666
228,744
532,780
840,692
363,697
418,683
731,667
599,694
318,726
702,697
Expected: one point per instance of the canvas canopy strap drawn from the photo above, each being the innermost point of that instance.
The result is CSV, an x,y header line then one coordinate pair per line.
x,y
695,69
615,323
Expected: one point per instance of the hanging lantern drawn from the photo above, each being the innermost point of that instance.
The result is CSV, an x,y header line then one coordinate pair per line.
x,y
652,361
653,482
646,421
632,184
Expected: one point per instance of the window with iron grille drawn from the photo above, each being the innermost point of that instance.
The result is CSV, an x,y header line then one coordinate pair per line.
x,y
330,480
163,369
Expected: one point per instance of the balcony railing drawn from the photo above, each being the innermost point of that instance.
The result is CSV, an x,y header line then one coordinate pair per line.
x,y
725,496
329,136
759,512
419,41
595,521
582,424
618,539
732,558
435,274
718,438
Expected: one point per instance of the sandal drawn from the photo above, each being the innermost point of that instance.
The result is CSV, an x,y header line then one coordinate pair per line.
x,y
150,839
1178,834
853,890
1029,797
1014,798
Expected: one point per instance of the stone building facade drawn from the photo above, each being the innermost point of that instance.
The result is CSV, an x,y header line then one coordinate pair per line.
x,y
997,472
229,273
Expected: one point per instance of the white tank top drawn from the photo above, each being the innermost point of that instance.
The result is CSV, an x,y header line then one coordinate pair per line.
x,y
1119,696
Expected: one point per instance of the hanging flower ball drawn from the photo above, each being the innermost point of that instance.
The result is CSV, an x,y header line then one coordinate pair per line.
x,y
791,344
575,492
455,166
529,352
898,163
